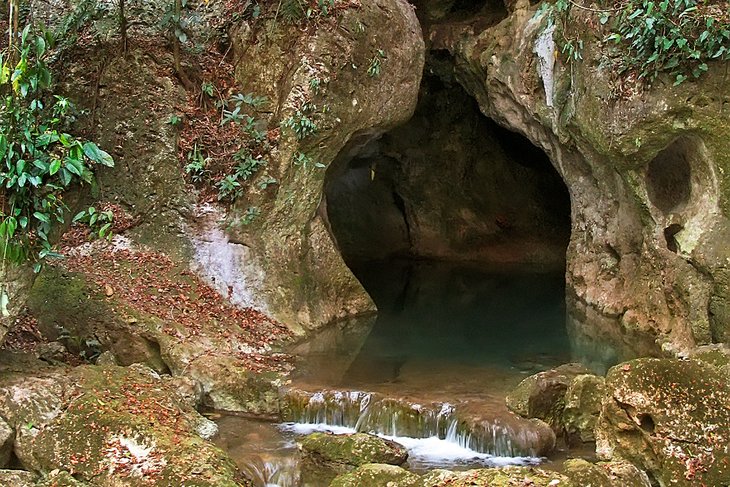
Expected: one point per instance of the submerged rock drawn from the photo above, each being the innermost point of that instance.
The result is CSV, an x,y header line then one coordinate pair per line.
x,y
613,474
669,417
583,400
353,449
497,477
377,474
542,395
114,426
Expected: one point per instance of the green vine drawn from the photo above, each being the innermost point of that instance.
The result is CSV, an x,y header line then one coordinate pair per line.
x,y
678,37
39,160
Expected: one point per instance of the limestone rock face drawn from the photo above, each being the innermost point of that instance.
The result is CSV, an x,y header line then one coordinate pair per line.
x,y
306,281
670,418
583,400
377,474
647,174
126,424
542,395
355,449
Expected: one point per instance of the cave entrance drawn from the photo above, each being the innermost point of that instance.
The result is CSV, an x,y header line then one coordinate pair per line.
x,y
449,185
458,229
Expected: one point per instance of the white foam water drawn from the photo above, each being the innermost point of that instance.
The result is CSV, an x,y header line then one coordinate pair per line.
x,y
424,453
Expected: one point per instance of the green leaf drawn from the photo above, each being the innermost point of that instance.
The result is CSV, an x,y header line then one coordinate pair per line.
x,y
54,167
42,217
74,166
93,152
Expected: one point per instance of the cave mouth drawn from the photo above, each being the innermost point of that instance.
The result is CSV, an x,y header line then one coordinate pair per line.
x,y
458,230
450,185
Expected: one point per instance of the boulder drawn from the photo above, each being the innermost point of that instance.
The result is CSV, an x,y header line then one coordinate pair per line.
x,y
377,474
498,477
17,478
542,395
112,426
612,474
670,418
583,400
353,449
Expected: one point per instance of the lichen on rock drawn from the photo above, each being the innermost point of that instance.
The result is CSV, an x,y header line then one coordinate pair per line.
x,y
670,418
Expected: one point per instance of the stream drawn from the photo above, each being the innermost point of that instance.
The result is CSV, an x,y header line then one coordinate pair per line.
x,y
430,371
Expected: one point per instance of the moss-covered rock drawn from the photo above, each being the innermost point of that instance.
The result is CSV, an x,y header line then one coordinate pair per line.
x,y
498,477
611,474
60,478
377,475
17,478
353,449
542,395
583,400
670,418
110,426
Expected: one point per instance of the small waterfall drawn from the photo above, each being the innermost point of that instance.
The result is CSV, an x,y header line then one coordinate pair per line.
x,y
370,413
273,472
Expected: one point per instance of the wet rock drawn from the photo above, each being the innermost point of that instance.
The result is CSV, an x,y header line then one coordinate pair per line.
x,y
498,477
377,474
542,395
670,418
17,478
583,400
7,436
613,474
126,425
353,449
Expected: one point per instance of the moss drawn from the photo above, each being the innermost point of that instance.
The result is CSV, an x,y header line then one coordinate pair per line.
x,y
670,418
110,416
355,449
499,477
377,475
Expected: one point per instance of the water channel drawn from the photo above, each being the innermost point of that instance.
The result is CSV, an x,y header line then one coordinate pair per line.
x,y
431,370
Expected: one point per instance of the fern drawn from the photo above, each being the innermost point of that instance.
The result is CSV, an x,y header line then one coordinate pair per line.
x,y
292,11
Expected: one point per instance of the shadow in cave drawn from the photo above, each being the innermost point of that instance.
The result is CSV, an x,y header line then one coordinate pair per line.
x,y
458,229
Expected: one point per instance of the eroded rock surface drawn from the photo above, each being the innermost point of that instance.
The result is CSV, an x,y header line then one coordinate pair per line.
x,y
583,400
670,418
113,426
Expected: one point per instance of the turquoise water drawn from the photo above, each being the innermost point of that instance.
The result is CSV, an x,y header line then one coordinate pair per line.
x,y
437,318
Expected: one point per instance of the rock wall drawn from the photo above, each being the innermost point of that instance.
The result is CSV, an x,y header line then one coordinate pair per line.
x,y
307,283
647,272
